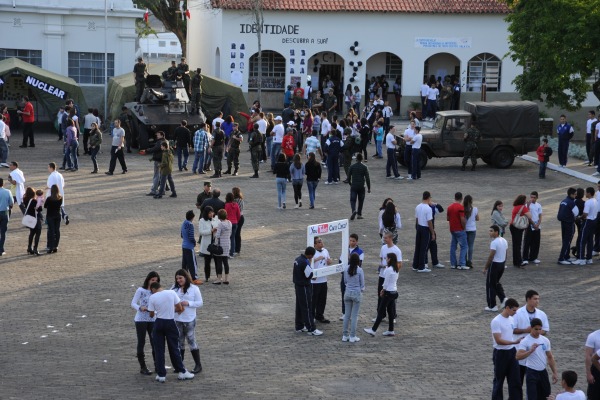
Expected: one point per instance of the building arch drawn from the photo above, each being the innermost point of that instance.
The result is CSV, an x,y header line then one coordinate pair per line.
x,y
484,68
386,64
441,65
272,71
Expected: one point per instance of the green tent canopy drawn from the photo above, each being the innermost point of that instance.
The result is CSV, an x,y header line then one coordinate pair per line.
x,y
217,95
51,90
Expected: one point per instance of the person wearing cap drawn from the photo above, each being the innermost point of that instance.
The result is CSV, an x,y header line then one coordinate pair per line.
x,y
140,70
277,134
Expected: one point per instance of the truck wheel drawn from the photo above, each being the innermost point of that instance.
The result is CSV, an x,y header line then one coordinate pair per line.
x,y
503,157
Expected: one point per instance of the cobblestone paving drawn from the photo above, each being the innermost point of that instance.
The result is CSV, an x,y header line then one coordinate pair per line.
x,y
67,328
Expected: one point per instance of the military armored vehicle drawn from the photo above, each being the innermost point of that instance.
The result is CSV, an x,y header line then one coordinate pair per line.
x,y
162,107
508,129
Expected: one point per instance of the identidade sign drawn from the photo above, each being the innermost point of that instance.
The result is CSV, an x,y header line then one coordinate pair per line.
x,y
43,86
328,228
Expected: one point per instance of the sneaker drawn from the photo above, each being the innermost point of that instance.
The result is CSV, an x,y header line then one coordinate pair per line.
x,y
495,308
424,270
439,265
345,338
589,262
354,339
316,332
596,174
572,259
463,267
160,379
300,204
409,178
359,217
369,331
328,183
302,330
296,206
375,319
389,333
283,206
524,263
579,262
336,182
453,267
399,178
342,317
185,375
595,253
415,269
389,177
565,262
353,216
536,261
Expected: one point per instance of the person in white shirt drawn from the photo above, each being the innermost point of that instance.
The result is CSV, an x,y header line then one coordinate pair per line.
x,y
16,178
325,129
308,94
87,128
277,133
144,324
592,346
392,165
388,294
471,218
319,285
432,95
425,233
387,114
116,151
3,145
523,319
536,351
505,363
409,133
589,139
388,247
416,154
568,381
56,178
494,268
424,90
590,212
191,299
218,118
531,243
163,304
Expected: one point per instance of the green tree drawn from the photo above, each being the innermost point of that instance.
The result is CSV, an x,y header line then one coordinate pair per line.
x,y
555,43
168,12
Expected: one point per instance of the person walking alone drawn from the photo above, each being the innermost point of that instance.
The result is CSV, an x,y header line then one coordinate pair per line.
x,y
116,151
358,175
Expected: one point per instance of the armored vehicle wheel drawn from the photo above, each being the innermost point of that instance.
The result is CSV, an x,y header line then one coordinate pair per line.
x,y
503,157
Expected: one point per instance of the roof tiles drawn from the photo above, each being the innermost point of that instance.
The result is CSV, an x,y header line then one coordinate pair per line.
x,y
399,6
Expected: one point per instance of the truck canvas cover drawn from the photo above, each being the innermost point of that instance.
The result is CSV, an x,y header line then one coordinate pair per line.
x,y
506,119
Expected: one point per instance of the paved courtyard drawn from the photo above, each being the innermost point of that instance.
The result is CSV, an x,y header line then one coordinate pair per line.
x,y
67,326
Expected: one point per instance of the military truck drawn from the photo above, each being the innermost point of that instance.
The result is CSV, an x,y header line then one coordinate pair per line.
x,y
508,129
161,108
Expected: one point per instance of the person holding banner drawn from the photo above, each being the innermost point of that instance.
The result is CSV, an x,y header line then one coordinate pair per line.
x,y
302,276
319,285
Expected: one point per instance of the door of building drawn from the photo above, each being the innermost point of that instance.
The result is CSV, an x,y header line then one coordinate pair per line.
x,y
335,74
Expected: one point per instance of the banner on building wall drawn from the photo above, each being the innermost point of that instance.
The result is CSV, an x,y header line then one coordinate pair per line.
x,y
442,43
46,87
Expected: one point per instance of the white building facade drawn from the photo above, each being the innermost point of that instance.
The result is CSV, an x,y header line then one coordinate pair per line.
x,y
70,37
353,45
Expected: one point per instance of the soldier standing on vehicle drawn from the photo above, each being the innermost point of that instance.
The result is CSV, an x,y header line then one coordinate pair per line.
x,y
472,136
197,92
139,74
183,70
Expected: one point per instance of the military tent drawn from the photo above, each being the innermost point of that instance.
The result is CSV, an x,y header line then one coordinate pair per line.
x,y
217,95
50,89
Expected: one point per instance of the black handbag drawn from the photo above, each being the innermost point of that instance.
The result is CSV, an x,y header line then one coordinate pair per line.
x,y
214,249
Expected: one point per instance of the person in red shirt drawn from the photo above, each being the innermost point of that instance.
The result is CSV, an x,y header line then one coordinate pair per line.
x,y
543,154
519,207
233,215
455,215
288,143
28,118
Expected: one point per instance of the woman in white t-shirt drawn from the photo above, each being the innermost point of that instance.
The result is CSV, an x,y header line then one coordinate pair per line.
x,y
472,216
144,323
389,294
191,299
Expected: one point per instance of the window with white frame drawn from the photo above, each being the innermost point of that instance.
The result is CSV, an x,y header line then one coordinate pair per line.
x,y
31,56
273,71
484,67
393,66
88,68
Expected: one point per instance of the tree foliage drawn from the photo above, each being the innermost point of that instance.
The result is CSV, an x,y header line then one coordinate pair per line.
x,y
554,41
168,12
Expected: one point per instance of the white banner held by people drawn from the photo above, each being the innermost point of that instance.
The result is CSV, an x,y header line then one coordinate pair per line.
x,y
328,228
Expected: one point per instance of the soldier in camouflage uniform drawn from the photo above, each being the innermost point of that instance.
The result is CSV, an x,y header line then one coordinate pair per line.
x,y
197,92
330,103
255,141
472,136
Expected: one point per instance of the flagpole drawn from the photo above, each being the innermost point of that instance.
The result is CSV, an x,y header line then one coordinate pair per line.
x,y
105,61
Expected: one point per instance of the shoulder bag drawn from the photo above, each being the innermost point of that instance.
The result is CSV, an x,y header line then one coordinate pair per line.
x,y
214,249
520,221
28,220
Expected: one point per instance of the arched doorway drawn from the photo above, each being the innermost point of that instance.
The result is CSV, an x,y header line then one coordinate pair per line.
x,y
385,68
327,71
484,68
443,68
218,63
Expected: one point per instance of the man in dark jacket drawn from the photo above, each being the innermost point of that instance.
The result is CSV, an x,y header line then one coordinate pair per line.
x,y
156,153
183,139
302,275
213,201
358,175
566,215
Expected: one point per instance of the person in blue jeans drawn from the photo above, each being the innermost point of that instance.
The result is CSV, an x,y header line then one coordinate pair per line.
x,y
282,174
455,215
72,146
354,280
313,174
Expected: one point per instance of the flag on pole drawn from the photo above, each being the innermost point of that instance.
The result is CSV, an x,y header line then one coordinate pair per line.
x,y
187,14
146,15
